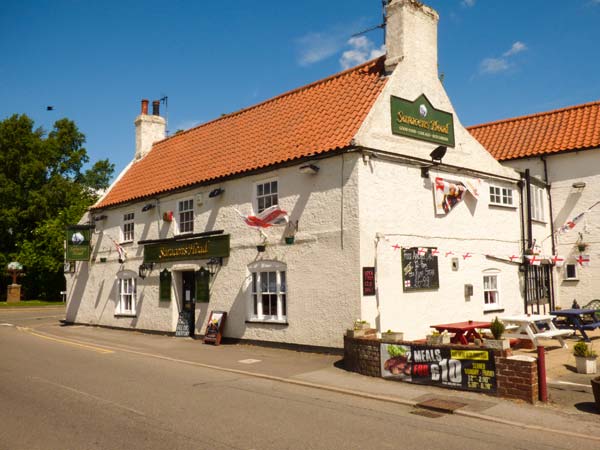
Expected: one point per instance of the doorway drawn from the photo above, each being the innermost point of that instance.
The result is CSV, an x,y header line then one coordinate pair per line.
x,y
188,303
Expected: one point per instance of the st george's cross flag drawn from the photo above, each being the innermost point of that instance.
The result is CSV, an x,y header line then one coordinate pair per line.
x,y
569,225
273,215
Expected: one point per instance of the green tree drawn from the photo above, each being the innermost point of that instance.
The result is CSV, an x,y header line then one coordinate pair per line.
x,y
43,188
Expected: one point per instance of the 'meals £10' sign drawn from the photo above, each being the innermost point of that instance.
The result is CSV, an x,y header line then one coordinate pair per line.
x,y
420,120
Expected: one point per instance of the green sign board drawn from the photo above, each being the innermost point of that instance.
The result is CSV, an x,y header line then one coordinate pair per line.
x,y
165,286
78,244
202,286
420,120
199,248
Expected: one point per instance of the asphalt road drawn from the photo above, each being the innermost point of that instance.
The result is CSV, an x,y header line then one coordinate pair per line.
x,y
57,392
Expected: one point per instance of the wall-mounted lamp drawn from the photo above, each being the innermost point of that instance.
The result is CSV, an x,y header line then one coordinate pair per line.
x,y
438,154
99,218
145,269
216,192
309,169
213,265
425,172
148,207
579,184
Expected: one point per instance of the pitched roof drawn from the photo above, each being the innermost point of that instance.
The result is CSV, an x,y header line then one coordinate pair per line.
x,y
311,120
573,128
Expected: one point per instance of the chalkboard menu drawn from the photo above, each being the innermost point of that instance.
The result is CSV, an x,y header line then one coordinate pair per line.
x,y
420,268
183,324
464,369
214,328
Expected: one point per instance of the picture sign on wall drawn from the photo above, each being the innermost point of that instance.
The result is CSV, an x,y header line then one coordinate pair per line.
x,y
368,281
464,369
420,268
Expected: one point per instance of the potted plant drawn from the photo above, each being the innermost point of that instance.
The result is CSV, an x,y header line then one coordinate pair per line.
x,y
596,390
359,328
585,358
497,328
437,338
392,336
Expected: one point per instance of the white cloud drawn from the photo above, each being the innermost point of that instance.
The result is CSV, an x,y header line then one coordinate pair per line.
x,y
517,47
503,63
361,50
315,47
186,125
468,3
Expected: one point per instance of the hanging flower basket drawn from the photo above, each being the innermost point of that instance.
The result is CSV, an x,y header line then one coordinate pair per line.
x,y
261,248
289,240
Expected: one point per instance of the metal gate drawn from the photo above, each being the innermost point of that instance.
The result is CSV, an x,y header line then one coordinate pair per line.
x,y
539,295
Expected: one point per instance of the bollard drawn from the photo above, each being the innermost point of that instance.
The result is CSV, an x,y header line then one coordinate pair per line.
x,y
541,353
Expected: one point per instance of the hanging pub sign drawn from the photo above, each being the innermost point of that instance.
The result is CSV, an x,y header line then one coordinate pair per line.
x,y
78,243
420,120
199,248
464,369
368,281
420,268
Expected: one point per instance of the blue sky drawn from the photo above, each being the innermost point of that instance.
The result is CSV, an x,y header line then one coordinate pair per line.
x,y
94,61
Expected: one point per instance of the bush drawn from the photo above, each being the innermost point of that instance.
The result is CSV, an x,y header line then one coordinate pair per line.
x,y
497,328
583,349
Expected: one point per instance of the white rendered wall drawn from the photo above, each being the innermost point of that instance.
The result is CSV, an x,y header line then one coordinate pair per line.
x,y
398,204
567,201
322,265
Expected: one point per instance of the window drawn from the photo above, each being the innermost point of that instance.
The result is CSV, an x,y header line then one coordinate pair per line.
x,y
186,216
268,292
491,289
501,196
128,226
570,271
266,195
126,294
537,203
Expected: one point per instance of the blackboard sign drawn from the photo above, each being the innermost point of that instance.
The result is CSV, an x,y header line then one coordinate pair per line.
x,y
214,328
368,281
464,369
420,268
183,324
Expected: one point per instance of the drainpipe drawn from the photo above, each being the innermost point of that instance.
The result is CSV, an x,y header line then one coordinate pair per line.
x,y
551,281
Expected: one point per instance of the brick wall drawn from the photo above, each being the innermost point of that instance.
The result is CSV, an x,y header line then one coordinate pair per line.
x,y
517,377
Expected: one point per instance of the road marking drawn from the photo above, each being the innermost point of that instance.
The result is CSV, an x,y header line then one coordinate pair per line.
x,y
570,383
6,325
249,361
64,341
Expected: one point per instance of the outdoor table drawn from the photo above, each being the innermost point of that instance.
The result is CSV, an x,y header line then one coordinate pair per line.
x,y
531,326
463,331
575,320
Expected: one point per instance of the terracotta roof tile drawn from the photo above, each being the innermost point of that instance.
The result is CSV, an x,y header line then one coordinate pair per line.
x,y
573,128
314,119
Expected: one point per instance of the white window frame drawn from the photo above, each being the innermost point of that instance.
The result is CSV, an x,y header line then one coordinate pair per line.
x,y
128,228
270,199
257,281
567,277
181,212
538,203
492,274
126,294
501,196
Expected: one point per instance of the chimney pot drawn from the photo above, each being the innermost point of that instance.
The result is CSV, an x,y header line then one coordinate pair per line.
x,y
145,107
156,108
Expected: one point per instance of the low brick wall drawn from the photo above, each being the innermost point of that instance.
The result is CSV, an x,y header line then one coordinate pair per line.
x,y
516,377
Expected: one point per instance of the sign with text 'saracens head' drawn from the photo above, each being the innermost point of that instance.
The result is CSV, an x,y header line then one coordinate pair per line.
x,y
420,120
78,243
199,248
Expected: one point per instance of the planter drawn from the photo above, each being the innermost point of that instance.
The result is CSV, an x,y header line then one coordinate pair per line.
x,y
355,333
586,364
438,339
497,344
392,336
596,390
289,240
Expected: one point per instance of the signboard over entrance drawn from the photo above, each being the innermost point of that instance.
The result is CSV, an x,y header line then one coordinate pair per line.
x,y
420,120
199,248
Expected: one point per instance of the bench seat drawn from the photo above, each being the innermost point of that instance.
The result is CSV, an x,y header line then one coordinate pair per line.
x,y
554,333
591,326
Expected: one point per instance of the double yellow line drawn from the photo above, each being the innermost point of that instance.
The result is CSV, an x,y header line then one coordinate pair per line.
x,y
65,341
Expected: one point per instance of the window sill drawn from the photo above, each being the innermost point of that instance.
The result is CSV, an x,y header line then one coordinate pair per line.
x,y
499,205
540,221
125,315
268,322
570,279
493,310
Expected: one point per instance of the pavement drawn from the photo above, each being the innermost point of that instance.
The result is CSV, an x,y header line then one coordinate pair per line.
x,y
571,410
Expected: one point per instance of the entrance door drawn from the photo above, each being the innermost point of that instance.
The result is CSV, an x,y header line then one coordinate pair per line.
x,y
189,298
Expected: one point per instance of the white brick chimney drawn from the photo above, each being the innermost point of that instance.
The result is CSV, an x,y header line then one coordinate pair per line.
x,y
411,36
148,129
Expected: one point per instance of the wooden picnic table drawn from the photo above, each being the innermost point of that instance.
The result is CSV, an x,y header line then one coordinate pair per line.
x,y
578,319
533,327
463,331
